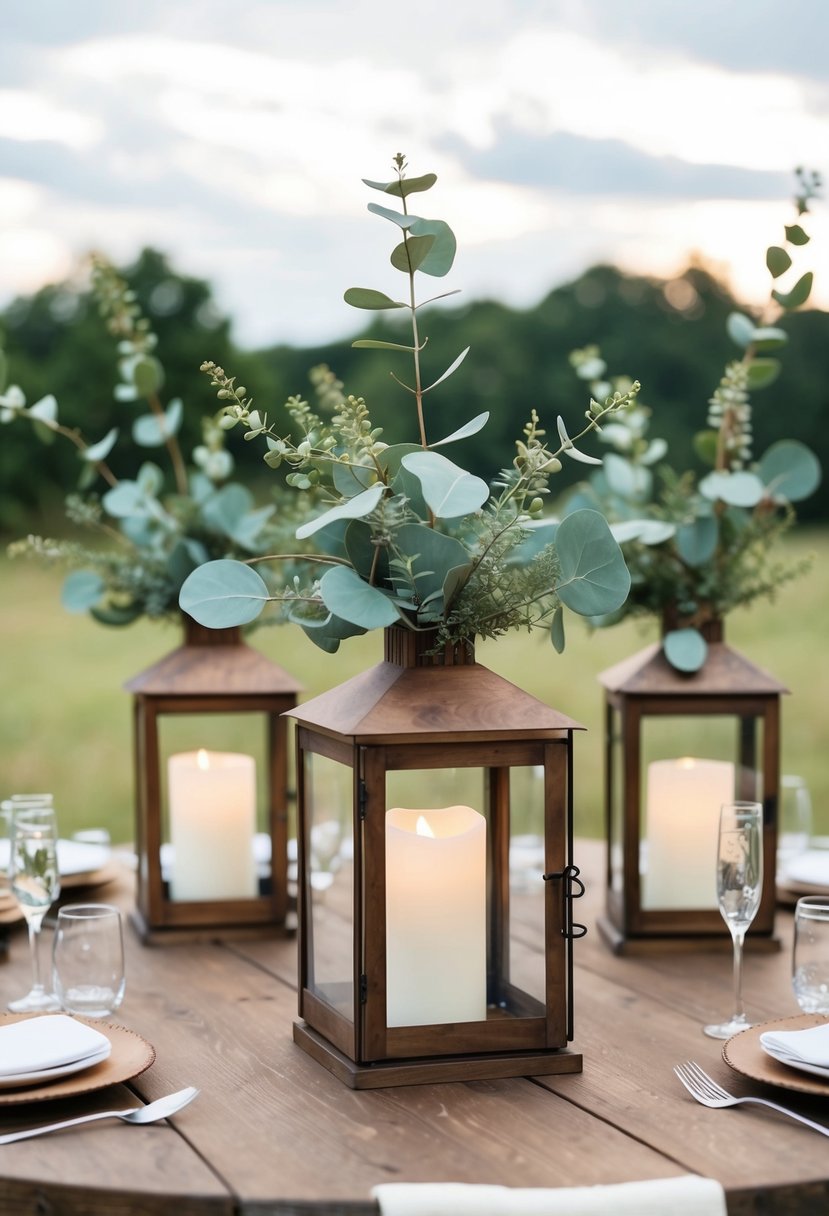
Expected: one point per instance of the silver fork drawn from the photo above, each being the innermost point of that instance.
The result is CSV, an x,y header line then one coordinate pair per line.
x,y
709,1093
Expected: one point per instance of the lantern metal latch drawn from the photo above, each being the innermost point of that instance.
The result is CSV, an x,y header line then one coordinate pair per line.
x,y
573,888
362,798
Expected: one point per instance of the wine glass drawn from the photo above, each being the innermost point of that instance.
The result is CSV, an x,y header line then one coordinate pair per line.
x,y
33,872
739,886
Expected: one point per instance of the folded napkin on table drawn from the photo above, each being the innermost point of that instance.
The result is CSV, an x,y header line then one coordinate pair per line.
x,y
50,1041
810,869
799,1046
688,1195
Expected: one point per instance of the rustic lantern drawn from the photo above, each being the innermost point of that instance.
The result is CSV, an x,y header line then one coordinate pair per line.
x,y
211,779
454,795
677,747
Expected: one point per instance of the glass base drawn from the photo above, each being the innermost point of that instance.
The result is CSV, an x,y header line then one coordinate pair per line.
x,y
725,1030
36,1001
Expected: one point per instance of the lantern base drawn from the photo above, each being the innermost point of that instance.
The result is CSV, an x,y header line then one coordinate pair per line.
x,y
681,943
435,1068
171,935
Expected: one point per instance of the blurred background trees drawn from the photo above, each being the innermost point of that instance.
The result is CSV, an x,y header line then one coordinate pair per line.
x,y
668,334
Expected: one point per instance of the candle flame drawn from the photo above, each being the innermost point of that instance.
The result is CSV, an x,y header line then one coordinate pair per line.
x,y
687,762
423,828
202,759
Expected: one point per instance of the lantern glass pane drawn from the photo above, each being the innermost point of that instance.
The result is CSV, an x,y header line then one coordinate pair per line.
x,y
616,802
691,765
213,770
329,881
525,967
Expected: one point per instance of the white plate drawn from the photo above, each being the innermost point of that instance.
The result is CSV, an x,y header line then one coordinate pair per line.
x,y
74,857
12,1080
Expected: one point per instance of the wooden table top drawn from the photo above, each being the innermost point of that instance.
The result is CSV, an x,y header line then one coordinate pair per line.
x,y
273,1132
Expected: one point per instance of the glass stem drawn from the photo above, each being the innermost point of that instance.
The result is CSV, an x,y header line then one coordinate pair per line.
x,y
738,936
34,942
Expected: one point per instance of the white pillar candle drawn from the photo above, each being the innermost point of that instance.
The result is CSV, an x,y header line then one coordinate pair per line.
x,y
435,916
212,798
684,797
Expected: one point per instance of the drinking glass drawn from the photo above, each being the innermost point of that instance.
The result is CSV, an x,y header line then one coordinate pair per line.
x,y
810,957
794,821
33,873
739,886
88,959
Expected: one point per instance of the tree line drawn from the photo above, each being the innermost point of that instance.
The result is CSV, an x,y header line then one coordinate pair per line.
x,y
670,335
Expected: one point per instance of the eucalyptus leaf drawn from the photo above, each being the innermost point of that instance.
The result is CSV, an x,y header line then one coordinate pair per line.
x,y
769,337
538,535
116,614
389,459
762,372
224,509
435,555
627,479
696,542
685,649
355,508
368,559
705,446
740,489
777,260
593,576
45,410
740,328
150,478
4,371
557,630
81,590
125,499
223,593
795,235
656,449
439,259
646,531
445,375
147,375
348,596
350,479
326,632
798,295
376,344
449,490
100,450
408,185
455,581
410,254
151,431
396,217
789,470
366,297
472,427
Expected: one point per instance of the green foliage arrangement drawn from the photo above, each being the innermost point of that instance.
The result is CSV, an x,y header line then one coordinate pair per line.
x,y
698,547
150,531
404,534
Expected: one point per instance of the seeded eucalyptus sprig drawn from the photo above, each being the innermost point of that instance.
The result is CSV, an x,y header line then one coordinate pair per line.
x,y
409,536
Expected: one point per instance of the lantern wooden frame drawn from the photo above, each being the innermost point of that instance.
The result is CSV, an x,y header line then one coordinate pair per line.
x,y
213,672
646,686
407,713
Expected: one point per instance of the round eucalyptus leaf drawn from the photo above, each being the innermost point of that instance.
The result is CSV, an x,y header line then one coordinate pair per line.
x,y
347,596
45,410
449,490
402,188
798,295
350,479
116,614
740,328
777,260
790,470
646,531
739,489
656,449
125,499
151,431
705,446
433,556
366,297
223,593
763,372
396,217
626,479
354,508
101,449
685,649
696,542
795,235
409,255
147,375
326,632
438,260
593,576
538,534
81,590
768,337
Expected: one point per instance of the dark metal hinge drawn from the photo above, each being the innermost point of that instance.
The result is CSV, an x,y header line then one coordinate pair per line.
x,y
362,798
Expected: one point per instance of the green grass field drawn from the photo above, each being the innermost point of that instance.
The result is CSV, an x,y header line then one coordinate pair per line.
x,y
65,719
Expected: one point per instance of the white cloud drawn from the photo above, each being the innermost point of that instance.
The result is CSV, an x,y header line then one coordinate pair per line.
x,y
27,115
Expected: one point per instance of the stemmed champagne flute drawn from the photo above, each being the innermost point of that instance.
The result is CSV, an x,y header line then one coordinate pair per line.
x,y
739,887
33,873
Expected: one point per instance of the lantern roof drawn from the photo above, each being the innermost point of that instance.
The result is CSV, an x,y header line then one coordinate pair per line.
x,y
725,672
394,703
223,668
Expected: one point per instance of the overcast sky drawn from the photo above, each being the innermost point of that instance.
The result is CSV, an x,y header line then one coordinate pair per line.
x,y
233,136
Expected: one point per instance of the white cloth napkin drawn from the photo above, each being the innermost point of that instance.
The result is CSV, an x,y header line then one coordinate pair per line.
x,y
799,1046
688,1195
810,869
45,1042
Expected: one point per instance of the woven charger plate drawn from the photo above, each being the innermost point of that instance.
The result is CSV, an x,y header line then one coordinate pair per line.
x,y
130,1056
744,1053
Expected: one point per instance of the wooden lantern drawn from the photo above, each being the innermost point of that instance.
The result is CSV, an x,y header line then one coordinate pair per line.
x,y
211,826
411,967
677,747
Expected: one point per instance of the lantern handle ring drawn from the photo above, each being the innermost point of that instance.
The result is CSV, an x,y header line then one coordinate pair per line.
x,y
570,876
